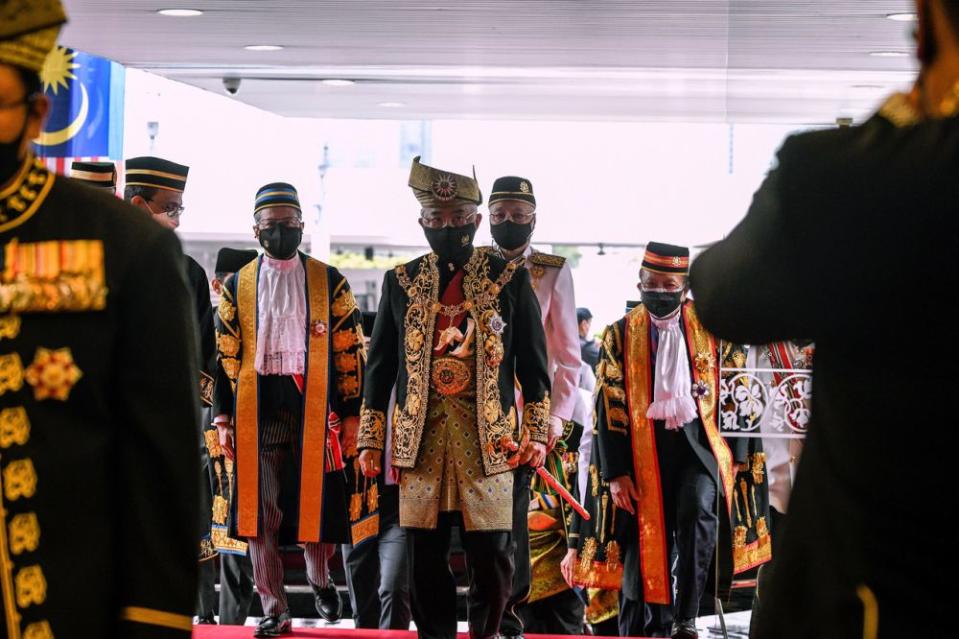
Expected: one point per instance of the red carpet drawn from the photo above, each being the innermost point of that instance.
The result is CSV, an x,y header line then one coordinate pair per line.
x,y
245,632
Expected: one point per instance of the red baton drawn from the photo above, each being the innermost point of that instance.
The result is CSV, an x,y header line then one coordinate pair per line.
x,y
559,488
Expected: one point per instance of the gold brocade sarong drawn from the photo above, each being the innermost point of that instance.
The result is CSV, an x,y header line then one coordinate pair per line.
x,y
547,548
449,474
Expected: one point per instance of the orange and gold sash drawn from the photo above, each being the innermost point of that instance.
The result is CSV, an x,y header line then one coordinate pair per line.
x,y
653,554
653,548
316,408
247,405
316,393
705,369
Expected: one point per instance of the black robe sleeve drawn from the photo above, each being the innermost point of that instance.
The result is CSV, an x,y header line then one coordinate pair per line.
x,y
613,442
228,337
349,355
157,466
529,347
381,367
200,292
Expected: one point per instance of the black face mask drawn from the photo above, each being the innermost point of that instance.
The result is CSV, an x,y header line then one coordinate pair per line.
x,y
10,160
451,244
281,242
510,236
661,303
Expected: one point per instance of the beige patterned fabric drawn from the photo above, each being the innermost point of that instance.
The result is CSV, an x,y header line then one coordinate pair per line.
x,y
449,475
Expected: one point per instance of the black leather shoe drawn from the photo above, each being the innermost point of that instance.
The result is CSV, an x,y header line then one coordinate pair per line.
x,y
328,603
685,629
206,621
274,626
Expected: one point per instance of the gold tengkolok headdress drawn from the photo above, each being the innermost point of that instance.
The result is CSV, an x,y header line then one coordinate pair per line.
x,y
28,31
433,187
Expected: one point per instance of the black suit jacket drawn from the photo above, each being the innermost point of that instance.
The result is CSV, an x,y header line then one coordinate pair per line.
x,y
852,241
100,484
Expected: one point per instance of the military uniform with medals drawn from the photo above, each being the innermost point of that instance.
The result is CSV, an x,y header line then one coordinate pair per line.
x,y
98,401
542,602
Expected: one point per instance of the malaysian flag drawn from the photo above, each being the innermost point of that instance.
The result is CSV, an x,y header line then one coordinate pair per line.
x,y
86,112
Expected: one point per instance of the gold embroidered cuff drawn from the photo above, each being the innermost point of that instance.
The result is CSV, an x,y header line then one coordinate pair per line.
x,y
372,429
536,420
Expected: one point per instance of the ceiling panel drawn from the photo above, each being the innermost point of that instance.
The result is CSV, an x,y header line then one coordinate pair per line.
x,y
726,60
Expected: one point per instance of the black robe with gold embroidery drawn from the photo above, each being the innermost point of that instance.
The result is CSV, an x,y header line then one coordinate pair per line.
x,y
335,351
510,346
624,445
98,414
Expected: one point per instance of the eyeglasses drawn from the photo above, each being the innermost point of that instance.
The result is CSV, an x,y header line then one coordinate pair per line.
x,y
172,211
290,223
455,221
672,288
519,218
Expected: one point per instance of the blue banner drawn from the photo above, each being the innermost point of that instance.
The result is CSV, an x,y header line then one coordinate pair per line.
x,y
86,115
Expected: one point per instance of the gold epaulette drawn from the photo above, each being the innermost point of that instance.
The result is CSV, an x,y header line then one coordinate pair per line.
x,y
545,259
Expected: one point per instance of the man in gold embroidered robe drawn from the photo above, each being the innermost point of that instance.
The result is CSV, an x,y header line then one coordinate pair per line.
x,y
454,330
287,402
661,461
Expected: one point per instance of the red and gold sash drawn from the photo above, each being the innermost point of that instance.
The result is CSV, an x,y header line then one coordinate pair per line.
x,y
315,405
653,547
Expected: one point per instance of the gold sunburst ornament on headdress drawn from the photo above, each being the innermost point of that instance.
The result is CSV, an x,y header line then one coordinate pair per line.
x,y
58,69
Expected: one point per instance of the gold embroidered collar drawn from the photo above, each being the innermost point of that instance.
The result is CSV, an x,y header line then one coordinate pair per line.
x,y
20,199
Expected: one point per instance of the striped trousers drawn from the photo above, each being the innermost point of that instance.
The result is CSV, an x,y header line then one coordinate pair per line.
x,y
276,451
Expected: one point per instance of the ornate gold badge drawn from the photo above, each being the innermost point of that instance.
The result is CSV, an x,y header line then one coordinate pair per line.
x,y
53,374
318,328
450,376
524,187
705,362
444,187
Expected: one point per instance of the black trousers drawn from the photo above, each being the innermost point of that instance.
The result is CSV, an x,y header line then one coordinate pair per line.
x,y
512,624
377,571
560,614
489,568
236,589
692,528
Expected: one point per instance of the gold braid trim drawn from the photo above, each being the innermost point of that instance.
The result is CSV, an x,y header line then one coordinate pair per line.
x,y
372,428
536,420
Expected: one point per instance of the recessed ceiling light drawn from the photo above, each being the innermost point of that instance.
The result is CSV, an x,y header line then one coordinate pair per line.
x,y
180,13
337,82
889,54
263,47
391,105
902,17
